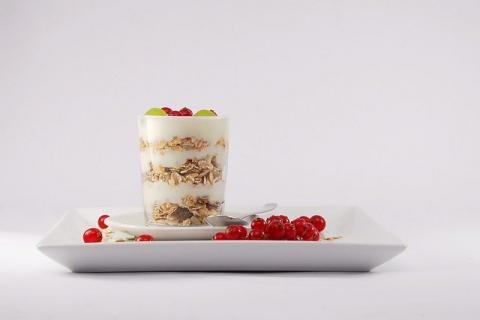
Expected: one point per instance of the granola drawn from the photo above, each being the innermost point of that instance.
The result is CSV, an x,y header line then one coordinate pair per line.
x,y
221,142
143,145
175,144
194,171
192,211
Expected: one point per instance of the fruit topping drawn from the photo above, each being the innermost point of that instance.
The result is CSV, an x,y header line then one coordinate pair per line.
x,y
186,112
175,114
167,109
205,113
92,235
156,112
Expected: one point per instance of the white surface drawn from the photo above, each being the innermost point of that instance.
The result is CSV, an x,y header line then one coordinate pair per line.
x,y
363,245
368,103
435,278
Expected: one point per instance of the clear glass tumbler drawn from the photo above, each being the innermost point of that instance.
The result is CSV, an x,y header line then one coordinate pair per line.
x,y
183,165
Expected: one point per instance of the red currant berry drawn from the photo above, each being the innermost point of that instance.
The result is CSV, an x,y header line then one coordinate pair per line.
x,y
318,222
92,235
145,237
307,219
236,232
256,234
101,221
220,236
275,230
167,110
309,230
290,232
258,224
283,218
175,114
312,236
186,112
273,218
300,226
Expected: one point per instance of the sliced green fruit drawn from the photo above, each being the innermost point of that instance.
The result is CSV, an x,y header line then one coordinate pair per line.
x,y
156,112
205,113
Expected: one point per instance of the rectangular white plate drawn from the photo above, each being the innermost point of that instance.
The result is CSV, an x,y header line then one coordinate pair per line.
x,y
363,246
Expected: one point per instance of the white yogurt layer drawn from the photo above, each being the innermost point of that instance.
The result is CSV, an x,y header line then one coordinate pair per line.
x,y
162,192
171,158
165,128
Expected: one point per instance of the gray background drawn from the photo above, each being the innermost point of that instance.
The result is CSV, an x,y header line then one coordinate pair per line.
x,y
368,103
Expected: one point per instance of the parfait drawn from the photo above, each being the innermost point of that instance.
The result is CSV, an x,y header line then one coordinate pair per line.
x,y
183,165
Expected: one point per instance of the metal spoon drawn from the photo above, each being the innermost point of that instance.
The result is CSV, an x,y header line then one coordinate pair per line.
x,y
223,220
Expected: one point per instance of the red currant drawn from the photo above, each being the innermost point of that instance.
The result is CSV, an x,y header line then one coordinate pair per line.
x,y
145,237
318,222
273,218
258,224
308,231
313,236
256,234
290,232
275,230
92,235
186,112
175,114
299,224
220,236
101,221
283,218
236,232
167,110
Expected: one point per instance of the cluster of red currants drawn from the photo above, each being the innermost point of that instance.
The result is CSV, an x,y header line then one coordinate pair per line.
x,y
277,228
95,235
184,112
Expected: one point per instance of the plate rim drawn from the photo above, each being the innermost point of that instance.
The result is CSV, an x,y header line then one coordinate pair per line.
x,y
43,242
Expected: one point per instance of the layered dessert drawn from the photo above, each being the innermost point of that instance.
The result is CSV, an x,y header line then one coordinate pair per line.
x,y
183,165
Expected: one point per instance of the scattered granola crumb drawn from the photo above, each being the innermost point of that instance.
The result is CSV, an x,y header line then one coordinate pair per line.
x,y
332,238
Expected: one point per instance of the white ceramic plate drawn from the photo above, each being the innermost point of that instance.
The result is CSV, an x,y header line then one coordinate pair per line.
x,y
364,245
134,223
